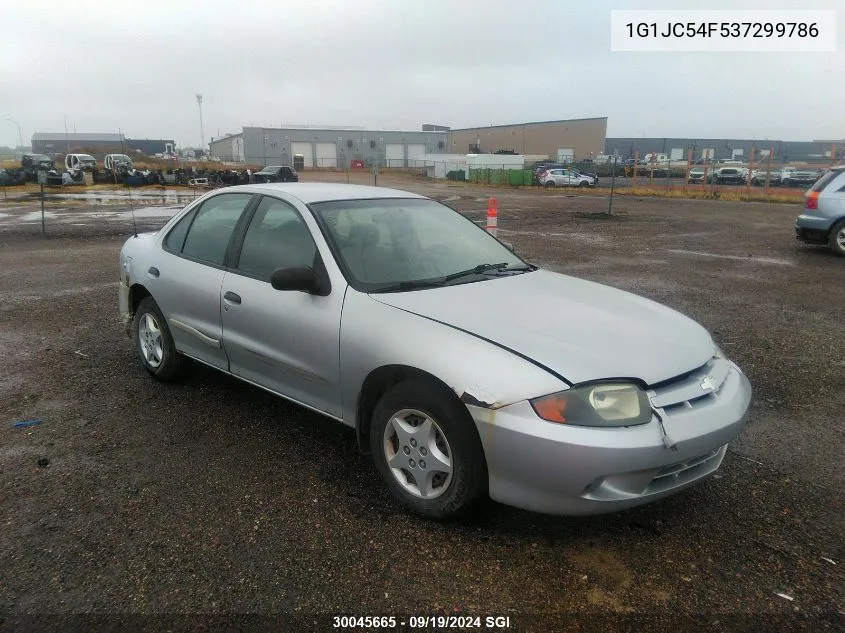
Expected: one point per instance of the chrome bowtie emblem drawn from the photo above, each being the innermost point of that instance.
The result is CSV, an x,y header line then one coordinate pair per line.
x,y
708,385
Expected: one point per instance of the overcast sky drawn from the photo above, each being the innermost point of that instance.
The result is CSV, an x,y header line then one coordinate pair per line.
x,y
394,64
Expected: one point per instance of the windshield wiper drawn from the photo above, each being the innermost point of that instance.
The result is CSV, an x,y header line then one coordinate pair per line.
x,y
442,281
402,286
475,271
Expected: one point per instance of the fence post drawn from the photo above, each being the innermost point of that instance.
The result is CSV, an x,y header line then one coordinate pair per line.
x,y
689,168
750,168
769,168
636,163
612,183
43,227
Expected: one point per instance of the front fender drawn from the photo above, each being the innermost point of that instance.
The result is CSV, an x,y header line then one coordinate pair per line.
x,y
373,335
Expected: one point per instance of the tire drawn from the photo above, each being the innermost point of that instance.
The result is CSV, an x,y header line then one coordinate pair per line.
x,y
583,184
785,182
418,404
837,238
550,184
154,343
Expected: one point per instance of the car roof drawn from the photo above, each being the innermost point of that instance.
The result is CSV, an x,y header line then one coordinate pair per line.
x,y
308,192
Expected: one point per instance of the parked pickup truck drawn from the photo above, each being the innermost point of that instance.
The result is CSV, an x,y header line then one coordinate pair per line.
x,y
760,176
731,175
792,176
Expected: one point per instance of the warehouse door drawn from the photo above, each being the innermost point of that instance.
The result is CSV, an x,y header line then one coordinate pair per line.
x,y
304,150
394,153
416,155
326,155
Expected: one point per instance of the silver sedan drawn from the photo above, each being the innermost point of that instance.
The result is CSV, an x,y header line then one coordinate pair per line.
x,y
465,370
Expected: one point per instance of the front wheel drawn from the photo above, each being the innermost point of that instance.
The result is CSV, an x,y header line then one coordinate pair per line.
x,y
837,237
550,184
154,343
426,448
583,183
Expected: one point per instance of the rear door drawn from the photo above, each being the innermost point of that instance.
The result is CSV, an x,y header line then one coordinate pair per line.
x,y
186,279
286,341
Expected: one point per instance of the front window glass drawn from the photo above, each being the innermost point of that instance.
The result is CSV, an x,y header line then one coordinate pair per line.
x,y
276,238
388,242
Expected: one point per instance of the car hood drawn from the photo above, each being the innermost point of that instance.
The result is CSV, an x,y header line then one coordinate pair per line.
x,y
578,329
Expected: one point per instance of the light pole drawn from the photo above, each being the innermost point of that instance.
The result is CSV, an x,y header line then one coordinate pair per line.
x,y
202,133
20,136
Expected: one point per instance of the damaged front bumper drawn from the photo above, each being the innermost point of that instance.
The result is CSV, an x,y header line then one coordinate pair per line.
x,y
571,470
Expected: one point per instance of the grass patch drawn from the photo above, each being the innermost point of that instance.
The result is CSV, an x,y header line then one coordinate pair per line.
x,y
726,195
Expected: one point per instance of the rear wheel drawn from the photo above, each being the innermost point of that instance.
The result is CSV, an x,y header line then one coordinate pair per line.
x,y
154,343
426,448
837,237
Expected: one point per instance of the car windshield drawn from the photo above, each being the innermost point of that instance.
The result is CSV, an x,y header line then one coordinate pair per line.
x,y
392,244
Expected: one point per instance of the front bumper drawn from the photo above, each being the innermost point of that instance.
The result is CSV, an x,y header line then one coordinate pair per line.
x,y
569,470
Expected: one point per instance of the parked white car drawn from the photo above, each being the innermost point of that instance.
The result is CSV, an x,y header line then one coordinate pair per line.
x,y
565,178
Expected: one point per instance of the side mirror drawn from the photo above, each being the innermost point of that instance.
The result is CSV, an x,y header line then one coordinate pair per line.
x,y
300,278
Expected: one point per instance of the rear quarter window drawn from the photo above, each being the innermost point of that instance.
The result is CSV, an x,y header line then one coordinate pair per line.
x,y
827,179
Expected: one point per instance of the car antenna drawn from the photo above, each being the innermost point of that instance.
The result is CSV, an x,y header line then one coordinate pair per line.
x,y
128,189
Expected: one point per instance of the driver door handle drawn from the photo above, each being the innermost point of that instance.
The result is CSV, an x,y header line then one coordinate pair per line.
x,y
231,297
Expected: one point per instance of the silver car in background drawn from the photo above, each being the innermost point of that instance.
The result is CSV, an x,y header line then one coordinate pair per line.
x,y
465,370
566,178
823,220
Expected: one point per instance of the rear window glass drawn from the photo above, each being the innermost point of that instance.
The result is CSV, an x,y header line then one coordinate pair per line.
x,y
212,228
825,180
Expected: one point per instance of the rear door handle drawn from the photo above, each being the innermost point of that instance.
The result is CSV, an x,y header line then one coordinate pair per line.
x,y
152,271
231,297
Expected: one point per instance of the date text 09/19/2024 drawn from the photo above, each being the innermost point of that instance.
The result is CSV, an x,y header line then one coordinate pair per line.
x,y
352,622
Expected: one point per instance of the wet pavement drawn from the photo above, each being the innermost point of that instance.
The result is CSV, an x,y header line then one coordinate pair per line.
x,y
212,497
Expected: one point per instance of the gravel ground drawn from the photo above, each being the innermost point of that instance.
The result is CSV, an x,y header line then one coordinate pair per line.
x,y
133,499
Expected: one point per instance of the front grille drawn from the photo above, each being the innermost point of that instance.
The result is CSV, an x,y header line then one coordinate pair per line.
x,y
693,390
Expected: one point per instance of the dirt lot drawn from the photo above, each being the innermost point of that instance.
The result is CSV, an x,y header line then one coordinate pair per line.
x,y
212,497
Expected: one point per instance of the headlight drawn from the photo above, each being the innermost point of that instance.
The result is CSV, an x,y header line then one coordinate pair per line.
x,y
608,404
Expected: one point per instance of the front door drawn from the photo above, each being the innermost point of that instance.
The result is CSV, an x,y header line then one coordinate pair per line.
x,y
286,341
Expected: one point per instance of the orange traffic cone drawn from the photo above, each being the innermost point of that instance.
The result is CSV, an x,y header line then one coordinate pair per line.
x,y
492,216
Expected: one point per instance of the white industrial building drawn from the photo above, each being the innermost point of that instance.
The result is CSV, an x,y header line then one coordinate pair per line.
x,y
328,148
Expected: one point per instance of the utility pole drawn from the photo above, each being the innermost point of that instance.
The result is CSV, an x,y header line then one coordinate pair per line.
x,y
20,136
202,133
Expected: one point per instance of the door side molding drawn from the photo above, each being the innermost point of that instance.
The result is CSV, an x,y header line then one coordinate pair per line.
x,y
212,342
